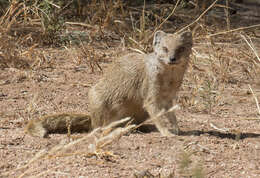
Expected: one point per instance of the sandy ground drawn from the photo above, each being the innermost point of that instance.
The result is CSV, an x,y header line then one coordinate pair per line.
x,y
218,115
204,148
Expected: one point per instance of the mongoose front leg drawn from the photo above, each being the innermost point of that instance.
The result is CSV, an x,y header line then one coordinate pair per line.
x,y
166,122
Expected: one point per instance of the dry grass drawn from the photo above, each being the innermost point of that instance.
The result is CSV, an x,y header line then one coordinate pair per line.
x,y
93,144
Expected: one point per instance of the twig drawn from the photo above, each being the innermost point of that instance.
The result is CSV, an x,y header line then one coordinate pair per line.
x,y
251,46
161,113
227,15
233,30
201,15
206,149
256,100
219,129
130,38
202,147
82,24
116,134
104,140
189,144
157,28
136,50
51,3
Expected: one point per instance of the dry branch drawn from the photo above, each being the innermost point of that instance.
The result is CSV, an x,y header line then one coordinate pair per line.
x,y
202,14
256,100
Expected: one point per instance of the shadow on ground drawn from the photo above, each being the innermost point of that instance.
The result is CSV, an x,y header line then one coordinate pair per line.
x,y
235,135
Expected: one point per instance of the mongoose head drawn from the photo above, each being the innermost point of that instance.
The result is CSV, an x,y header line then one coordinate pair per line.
x,y
172,49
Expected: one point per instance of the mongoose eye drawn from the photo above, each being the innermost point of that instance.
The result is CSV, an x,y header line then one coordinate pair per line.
x,y
181,49
165,49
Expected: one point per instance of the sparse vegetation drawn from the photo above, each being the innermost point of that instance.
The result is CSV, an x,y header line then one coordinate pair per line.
x,y
189,169
58,49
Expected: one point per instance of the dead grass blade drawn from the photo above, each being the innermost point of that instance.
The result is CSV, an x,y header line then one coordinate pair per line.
x,y
161,113
115,135
91,57
256,100
233,30
103,137
10,17
201,15
251,45
165,20
225,130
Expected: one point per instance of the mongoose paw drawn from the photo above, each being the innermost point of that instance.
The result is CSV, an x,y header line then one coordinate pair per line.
x,y
170,132
175,131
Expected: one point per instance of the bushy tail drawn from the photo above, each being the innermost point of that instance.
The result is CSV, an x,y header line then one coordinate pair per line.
x,y
58,123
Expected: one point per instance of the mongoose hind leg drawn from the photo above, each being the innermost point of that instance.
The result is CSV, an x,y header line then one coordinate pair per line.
x,y
102,116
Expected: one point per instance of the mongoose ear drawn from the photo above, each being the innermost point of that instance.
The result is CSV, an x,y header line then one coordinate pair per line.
x,y
186,37
158,37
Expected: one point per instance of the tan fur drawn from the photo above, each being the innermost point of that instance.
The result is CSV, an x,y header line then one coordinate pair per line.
x,y
141,85
58,123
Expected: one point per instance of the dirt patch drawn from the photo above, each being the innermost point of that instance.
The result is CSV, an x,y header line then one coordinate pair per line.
x,y
63,89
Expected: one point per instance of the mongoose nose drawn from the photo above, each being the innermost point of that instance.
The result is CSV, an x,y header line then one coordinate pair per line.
x,y
172,59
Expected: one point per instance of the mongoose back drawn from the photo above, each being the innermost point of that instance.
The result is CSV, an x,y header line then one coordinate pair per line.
x,y
141,85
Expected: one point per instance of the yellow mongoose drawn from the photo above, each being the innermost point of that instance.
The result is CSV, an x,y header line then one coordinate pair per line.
x,y
136,85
